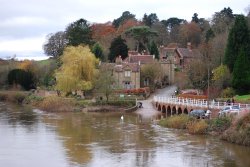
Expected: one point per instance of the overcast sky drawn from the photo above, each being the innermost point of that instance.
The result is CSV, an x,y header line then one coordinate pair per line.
x,y
25,23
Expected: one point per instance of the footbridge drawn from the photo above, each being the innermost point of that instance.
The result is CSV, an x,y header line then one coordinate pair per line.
x,y
176,105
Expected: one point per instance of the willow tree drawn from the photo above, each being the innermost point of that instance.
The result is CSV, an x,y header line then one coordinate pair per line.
x,y
78,69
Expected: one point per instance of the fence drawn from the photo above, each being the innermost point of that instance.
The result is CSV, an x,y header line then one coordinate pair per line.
x,y
197,102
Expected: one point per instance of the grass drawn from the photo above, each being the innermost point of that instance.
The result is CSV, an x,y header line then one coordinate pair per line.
x,y
243,98
176,121
56,104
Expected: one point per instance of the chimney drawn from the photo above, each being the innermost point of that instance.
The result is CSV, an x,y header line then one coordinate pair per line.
x,y
189,46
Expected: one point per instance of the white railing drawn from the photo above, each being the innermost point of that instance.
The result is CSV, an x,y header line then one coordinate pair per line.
x,y
196,102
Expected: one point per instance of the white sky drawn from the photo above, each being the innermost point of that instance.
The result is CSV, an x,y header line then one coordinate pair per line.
x,y
25,23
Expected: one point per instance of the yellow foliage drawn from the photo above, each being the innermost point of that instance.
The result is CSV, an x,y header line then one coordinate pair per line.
x,y
27,65
78,69
220,72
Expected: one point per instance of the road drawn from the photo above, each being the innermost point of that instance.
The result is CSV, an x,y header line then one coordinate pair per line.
x,y
148,111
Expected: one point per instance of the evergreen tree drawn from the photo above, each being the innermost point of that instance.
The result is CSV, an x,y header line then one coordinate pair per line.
x,y
79,32
241,73
98,51
154,50
118,48
238,38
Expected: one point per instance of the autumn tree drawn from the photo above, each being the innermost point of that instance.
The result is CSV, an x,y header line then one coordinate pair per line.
x,y
190,32
105,82
238,39
77,71
153,73
141,34
125,16
118,48
104,34
55,44
221,77
79,32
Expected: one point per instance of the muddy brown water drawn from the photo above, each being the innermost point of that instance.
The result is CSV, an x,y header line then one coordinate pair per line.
x,y
34,138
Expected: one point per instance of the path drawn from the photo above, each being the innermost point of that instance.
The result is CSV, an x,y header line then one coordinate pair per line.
x,y
148,111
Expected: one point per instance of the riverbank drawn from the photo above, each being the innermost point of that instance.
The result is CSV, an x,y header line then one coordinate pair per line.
x,y
234,129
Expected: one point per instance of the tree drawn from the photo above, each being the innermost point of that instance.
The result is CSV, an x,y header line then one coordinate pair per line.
x,y
163,35
141,34
55,44
172,22
238,38
153,72
98,51
241,73
118,48
105,82
125,16
222,20
77,71
21,77
151,19
190,32
221,76
79,32
195,18
154,50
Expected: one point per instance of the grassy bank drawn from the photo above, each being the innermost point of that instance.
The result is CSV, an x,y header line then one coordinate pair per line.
x,y
233,129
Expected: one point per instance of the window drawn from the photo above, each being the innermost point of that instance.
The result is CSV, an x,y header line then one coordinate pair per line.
x,y
146,82
127,73
127,85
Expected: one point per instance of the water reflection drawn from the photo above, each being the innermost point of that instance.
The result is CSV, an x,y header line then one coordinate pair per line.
x,y
103,139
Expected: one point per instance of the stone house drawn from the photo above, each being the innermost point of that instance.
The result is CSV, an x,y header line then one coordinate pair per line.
x,y
126,75
181,56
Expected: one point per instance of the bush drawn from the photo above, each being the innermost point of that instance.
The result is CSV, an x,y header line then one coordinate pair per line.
x,y
13,97
228,93
176,121
56,104
3,96
197,127
219,124
239,132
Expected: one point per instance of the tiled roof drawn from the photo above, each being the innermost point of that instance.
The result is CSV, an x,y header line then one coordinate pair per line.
x,y
134,67
143,59
187,53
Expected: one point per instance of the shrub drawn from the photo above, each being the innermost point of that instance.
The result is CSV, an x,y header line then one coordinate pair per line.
x,y
3,96
227,93
219,124
197,127
176,121
239,132
56,104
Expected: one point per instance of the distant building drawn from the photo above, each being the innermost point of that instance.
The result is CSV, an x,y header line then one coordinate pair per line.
x,y
181,56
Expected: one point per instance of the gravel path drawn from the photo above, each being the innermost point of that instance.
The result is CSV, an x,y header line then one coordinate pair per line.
x,y
148,111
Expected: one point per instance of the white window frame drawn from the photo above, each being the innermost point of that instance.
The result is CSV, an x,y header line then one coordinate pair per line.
x,y
127,73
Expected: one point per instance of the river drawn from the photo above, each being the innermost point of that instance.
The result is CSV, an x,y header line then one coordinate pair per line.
x,y
31,138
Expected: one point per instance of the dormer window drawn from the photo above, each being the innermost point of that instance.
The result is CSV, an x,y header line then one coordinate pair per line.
x,y
127,73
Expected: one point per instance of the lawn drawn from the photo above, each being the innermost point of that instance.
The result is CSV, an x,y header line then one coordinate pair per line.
x,y
243,98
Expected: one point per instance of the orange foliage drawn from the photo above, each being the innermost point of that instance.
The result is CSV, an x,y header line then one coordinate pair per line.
x,y
126,25
101,30
27,65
